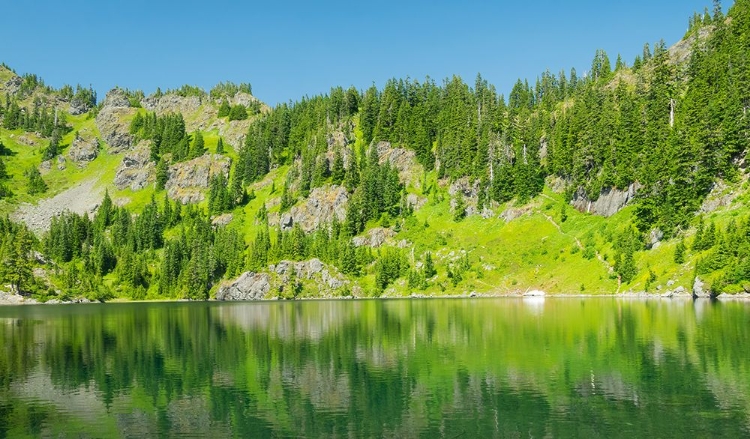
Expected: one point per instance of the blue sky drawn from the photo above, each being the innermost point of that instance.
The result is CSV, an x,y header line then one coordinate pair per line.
x,y
288,49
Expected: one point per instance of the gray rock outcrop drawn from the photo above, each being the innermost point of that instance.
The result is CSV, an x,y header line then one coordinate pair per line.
x,y
136,170
83,150
242,98
321,207
222,220
312,269
404,160
610,201
45,166
249,286
374,238
78,106
469,191
511,213
172,103
113,120
11,298
721,195
415,201
13,84
188,180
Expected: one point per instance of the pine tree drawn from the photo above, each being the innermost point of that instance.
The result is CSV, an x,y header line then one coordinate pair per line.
x,y
238,112
459,207
679,253
220,146
162,174
224,108
198,148
35,183
338,173
17,264
429,266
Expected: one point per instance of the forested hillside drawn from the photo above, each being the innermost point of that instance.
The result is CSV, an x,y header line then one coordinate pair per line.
x,y
630,176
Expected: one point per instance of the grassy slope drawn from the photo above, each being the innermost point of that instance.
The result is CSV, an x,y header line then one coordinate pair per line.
x,y
536,251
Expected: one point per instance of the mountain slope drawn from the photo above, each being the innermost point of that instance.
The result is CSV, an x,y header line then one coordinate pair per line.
x,y
631,178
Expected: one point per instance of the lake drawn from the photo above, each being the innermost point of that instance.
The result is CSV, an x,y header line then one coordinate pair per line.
x,y
440,368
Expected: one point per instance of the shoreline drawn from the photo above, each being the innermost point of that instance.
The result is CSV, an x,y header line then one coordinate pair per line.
x,y
7,299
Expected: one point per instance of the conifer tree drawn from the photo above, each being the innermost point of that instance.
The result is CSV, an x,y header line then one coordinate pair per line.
x,y
224,108
338,173
162,174
198,148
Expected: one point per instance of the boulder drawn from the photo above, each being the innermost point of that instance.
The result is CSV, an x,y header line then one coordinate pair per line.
x,y
25,140
136,170
61,166
222,220
187,180
249,286
45,166
12,298
698,289
83,150
609,202
535,293
415,201
655,238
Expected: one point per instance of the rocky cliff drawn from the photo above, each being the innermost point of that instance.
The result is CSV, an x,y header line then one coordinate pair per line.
x,y
188,180
610,201
404,160
321,207
136,170
113,121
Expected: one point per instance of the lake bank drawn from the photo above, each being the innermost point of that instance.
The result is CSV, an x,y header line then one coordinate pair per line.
x,y
9,299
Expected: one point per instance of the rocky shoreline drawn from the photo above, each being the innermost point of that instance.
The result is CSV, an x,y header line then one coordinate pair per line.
x,y
15,299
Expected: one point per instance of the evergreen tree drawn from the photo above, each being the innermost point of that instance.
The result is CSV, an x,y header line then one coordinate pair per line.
x,y
238,112
17,265
162,174
198,147
459,207
338,173
429,266
224,108
679,253
34,183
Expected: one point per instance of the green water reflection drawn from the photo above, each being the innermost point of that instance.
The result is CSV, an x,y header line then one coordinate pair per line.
x,y
406,368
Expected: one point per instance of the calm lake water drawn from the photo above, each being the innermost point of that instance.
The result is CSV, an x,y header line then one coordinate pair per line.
x,y
400,368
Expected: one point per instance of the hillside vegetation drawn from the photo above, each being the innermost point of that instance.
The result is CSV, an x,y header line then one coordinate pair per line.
x,y
629,178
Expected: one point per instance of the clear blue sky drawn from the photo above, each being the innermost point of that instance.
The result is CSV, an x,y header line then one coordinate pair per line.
x,y
288,49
